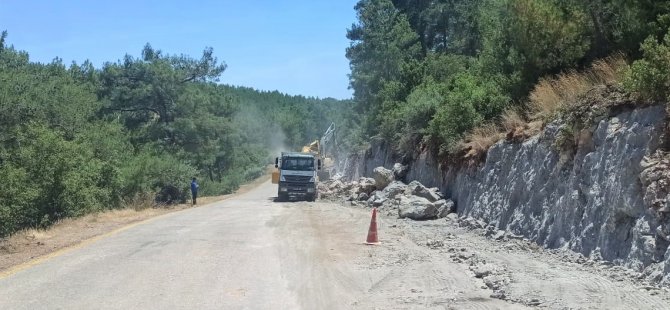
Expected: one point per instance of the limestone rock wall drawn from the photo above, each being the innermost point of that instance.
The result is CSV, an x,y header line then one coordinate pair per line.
x,y
593,203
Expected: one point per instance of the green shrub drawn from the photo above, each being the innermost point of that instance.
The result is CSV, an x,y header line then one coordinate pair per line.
x,y
649,77
48,178
17,197
227,186
158,173
420,107
468,102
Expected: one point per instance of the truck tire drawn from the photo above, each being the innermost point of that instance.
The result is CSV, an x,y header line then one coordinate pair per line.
x,y
311,198
282,197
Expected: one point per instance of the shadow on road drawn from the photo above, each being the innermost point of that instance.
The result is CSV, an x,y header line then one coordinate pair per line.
x,y
290,200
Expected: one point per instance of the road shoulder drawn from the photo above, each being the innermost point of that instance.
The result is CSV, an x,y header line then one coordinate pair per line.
x,y
29,247
457,264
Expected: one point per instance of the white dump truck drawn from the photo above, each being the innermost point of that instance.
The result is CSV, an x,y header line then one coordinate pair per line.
x,y
296,175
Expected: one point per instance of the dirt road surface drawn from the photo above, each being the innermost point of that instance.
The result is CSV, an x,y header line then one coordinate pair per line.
x,y
250,252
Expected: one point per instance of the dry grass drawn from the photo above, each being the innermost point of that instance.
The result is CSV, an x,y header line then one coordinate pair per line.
x,y
533,128
610,70
481,139
478,141
142,202
551,95
511,120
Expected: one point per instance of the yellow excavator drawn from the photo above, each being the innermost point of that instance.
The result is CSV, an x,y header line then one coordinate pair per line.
x,y
311,148
327,163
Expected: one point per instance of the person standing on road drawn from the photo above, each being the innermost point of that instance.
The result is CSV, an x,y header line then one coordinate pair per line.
x,y
194,190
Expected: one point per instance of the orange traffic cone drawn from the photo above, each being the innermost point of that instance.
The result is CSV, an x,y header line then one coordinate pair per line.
x,y
372,232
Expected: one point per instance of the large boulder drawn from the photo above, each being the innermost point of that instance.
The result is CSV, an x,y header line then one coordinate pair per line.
x,y
352,188
367,185
394,189
400,171
383,177
335,185
379,202
363,197
377,199
444,207
417,189
416,208
413,187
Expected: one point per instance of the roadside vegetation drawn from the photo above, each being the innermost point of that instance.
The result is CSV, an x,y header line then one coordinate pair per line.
x,y
452,75
75,139
457,76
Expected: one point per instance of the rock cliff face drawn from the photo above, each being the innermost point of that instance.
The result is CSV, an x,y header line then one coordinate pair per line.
x,y
598,202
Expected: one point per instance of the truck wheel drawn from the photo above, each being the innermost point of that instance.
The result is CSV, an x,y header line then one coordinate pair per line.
x,y
282,197
311,198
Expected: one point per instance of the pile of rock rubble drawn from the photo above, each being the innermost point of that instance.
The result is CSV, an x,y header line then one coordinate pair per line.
x,y
386,192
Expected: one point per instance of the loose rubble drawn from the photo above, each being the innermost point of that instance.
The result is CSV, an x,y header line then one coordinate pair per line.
x,y
417,202
387,192
495,277
492,264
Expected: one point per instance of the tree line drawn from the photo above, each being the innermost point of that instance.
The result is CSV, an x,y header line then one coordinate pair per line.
x,y
76,139
432,70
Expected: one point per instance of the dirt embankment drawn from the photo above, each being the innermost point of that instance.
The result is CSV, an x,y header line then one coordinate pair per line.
x,y
33,243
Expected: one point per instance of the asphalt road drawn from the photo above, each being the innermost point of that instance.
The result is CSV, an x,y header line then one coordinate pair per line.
x,y
250,252
223,255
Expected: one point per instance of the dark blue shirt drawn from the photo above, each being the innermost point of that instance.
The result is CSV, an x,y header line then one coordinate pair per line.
x,y
194,187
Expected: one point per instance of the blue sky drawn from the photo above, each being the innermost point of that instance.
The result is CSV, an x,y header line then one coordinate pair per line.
x,y
296,47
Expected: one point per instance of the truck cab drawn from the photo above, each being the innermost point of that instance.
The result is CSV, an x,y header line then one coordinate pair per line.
x,y
297,175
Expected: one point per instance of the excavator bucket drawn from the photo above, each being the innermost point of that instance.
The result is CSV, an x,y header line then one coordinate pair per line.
x,y
311,148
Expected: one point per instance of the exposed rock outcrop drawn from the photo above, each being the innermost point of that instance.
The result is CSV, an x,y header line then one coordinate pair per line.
x,y
655,180
608,200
